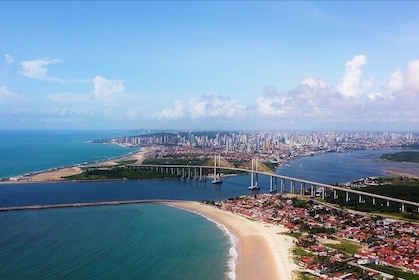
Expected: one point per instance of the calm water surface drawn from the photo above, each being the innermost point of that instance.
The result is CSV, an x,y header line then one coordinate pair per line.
x,y
144,241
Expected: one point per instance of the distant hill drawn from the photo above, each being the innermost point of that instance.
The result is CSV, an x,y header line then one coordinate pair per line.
x,y
261,166
224,162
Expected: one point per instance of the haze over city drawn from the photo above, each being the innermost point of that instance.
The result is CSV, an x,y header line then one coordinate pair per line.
x,y
210,65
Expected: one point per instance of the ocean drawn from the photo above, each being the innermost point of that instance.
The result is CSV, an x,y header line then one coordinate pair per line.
x,y
142,241
38,150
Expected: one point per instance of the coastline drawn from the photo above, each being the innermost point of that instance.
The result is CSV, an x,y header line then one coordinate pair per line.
x,y
404,172
264,251
259,250
57,174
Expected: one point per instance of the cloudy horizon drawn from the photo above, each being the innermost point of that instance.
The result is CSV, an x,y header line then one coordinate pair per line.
x,y
223,65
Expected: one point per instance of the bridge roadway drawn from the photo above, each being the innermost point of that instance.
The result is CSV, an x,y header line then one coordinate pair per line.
x,y
273,184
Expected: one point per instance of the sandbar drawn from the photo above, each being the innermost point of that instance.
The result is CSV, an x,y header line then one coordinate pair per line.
x,y
264,251
412,172
59,173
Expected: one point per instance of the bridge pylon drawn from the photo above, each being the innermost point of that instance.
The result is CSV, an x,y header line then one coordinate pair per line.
x,y
254,175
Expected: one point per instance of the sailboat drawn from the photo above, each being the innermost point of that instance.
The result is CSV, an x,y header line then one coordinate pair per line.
x,y
217,176
254,186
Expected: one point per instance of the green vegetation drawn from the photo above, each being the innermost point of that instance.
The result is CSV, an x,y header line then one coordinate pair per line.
x,y
399,187
294,234
125,162
394,271
179,160
402,156
198,160
118,172
345,246
300,203
304,276
298,251
272,166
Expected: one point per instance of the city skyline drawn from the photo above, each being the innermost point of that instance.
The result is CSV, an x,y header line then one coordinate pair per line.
x,y
347,66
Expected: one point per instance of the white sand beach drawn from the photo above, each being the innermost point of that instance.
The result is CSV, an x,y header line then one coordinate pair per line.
x,y
58,174
264,252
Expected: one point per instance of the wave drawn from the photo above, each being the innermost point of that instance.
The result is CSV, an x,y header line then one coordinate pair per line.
x,y
232,239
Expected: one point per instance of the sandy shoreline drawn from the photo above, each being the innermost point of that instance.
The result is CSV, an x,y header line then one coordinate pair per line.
x,y
404,172
59,173
263,251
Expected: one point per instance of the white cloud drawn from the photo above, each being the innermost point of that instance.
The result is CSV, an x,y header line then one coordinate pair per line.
x,y
271,104
352,85
313,82
312,100
209,105
412,75
172,114
396,82
9,58
206,106
36,69
104,88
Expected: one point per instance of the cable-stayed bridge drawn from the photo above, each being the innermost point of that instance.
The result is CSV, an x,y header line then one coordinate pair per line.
x,y
282,184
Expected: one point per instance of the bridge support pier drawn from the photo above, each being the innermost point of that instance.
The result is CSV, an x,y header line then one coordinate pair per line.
x,y
303,187
403,208
373,201
275,184
347,196
283,185
271,184
388,203
312,190
292,187
335,194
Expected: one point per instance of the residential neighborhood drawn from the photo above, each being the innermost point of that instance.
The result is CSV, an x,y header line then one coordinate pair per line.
x,y
319,229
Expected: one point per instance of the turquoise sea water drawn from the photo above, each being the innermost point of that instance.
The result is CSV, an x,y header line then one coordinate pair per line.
x,y
144,241
32,151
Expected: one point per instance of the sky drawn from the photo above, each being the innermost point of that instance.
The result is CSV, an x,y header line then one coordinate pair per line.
x,y
211,65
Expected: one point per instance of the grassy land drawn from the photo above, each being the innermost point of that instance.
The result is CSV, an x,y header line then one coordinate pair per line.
x,y
118,172
398,187
304,276
402,156
394,271
298,251
125,162
294,234
345,246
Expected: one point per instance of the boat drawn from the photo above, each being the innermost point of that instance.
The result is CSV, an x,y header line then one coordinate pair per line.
x,y
254,187
217,180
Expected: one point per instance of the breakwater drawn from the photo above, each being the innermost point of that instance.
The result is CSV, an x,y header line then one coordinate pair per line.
x,y
82,204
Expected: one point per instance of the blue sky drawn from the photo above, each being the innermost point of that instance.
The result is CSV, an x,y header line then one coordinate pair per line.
x,y
210,65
